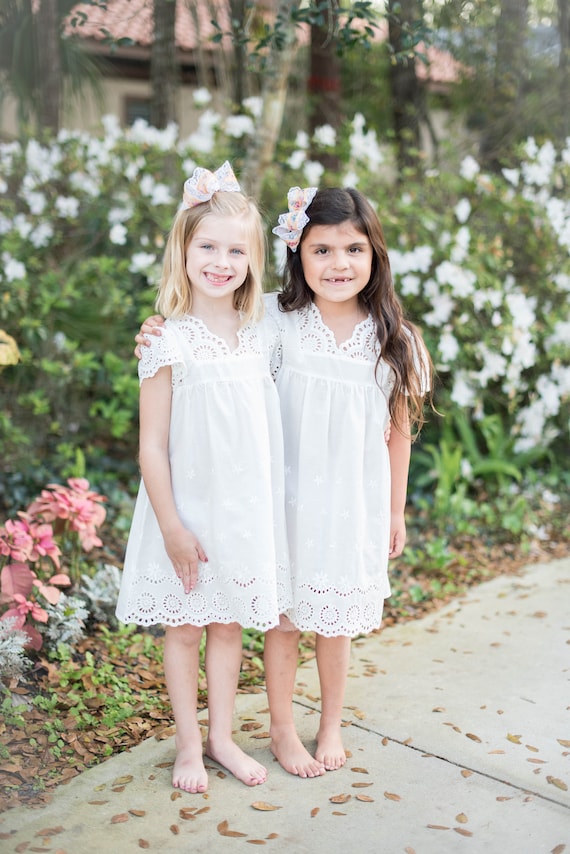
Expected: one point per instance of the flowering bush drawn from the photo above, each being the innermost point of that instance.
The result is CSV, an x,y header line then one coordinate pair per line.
x,y
31,579
481,262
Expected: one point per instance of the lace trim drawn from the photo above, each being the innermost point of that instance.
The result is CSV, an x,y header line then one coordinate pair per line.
x,y
189,339
333,612
316,337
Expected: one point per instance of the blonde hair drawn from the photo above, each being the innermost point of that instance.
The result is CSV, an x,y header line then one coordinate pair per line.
x,y
175,290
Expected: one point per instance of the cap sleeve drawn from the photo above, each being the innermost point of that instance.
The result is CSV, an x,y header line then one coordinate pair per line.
x,y
164,350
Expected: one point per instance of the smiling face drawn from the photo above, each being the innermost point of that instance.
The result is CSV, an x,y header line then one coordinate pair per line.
x,y
217,261
337,263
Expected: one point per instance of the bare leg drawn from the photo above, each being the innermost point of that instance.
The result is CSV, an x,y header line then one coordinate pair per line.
x,y
281,656
333,658
223,661
181,663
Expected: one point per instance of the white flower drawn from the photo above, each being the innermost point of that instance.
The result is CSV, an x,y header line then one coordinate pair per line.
x,y
462,210
461,281
201,97
466,469
522,308
302,139
325,135
67,207
254,104
141,261
448,346
443,306
116,215
118,234
238,126
512,176
313,172
461,248
297,159
469,168
351,179
364,146
410,285
13,270
462,393
41,235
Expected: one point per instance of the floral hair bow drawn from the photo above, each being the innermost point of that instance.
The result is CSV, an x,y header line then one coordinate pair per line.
x,y
292,223
203,184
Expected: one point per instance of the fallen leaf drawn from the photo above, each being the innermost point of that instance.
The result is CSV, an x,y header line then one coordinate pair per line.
x,y
260,735
120,818
138,813
336,812
273,836
224,831
384,741
97,803
365,798
50,831
175,795
463,831
461,818
537,761
144,843
248,728
466,773
256,841
340,799
559,849
533,749
515,739
187,813
496,751
437,827
564,742
359,770
409,850
473,737
203,810
174,829
392,797
261,805
560,784
361,785
122,781
315,811
504,798
438,709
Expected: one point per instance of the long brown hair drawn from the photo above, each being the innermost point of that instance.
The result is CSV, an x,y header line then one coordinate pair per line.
x,y
400,342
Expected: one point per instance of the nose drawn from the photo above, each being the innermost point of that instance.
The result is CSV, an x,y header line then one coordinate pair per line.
x,y
340,261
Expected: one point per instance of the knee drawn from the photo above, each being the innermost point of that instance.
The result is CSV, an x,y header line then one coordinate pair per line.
x,y
186,635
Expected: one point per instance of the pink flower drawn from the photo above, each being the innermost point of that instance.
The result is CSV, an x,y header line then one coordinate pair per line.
x,y
79,506
24,606
15,540
43,543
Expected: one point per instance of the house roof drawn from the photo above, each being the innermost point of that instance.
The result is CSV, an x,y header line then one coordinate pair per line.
x,y
132,19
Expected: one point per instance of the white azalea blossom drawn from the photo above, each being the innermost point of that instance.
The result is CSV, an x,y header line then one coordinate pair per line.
x,y
67,207
118,234
325,135
313,172
12,269
469,168
141,261
201,97
254,104
462,210
238,126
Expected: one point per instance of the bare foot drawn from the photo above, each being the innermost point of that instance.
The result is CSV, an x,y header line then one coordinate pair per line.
x,y
238,763
189,773
292,755
330,750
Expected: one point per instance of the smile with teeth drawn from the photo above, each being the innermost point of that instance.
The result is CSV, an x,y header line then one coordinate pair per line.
x,y
217,279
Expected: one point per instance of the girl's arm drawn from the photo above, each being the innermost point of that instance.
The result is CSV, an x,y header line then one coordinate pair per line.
x,y
181,545
150,326
399,449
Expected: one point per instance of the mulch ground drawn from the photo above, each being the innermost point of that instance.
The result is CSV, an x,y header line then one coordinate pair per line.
x,y
48,749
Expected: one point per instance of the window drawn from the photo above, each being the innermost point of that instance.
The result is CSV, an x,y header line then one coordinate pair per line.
x,y
136,108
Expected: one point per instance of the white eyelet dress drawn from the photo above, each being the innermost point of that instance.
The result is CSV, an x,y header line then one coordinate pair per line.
x,y
337,472
226,459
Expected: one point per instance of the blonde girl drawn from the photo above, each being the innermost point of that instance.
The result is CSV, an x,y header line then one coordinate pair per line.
x,y
207,547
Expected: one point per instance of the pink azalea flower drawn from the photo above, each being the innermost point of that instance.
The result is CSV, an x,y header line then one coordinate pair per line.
x,y
15,540
24,606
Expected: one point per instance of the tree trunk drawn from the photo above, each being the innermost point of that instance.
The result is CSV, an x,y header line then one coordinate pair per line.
x,y
50,81
510,71
239,65
274,94
164,69
324,85
564,68
406,90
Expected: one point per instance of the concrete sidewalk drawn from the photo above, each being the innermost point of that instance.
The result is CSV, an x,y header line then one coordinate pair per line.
x,y
458,726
